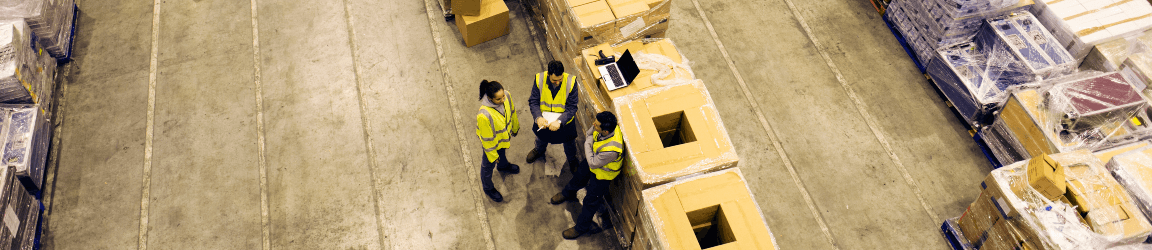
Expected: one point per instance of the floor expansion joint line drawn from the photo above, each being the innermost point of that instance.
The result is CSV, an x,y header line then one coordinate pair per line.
x,y
265,220
772,133
860,107
457,119
365,123
146,179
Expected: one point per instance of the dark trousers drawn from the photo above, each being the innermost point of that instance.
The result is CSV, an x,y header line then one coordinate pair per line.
x,y
486,168
569,151
582,177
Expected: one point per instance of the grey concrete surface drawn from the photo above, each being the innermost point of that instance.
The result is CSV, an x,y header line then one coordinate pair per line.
x,y
370,140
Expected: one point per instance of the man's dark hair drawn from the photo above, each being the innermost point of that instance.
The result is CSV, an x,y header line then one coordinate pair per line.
x,y
607,120
555,68
489,88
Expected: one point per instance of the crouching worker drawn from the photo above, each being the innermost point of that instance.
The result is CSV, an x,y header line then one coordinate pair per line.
x,y
604,151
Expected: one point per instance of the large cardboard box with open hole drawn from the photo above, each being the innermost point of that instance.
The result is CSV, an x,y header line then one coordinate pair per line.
x,y
671,132
492,22
711,211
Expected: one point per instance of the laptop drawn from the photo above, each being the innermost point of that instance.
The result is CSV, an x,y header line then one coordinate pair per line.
x,y
620,73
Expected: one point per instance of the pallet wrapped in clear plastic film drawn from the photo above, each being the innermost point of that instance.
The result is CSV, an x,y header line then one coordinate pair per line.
x,y
573,25
1109,56
50,20
1081,24
26,71
1008,50
704,211
931,24
1086,110
1134,171
1096,212
660,63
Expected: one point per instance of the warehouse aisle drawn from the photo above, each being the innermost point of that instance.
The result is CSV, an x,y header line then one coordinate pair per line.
x,y
342,127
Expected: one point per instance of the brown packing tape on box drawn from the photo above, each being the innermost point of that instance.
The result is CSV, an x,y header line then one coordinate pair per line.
x,y
492,22
715,209
671,132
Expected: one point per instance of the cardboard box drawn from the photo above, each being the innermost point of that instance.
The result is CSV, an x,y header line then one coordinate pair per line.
x,y
1133,170
671,132
466,7
1108,56
712,210
1081,24
492,22
1022,116
1107,154
592,20
990,207
629,15
1046,176
1102,201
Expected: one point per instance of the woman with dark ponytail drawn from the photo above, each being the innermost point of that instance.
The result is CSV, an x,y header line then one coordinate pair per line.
x,y
496,124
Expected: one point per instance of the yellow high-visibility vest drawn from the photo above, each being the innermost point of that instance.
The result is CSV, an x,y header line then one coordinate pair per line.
x,y
495,129
612,144
555,105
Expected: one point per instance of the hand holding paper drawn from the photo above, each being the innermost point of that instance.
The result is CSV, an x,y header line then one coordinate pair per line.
x,y
549,119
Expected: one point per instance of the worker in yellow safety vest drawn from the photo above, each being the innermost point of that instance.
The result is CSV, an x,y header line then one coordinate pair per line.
x,y
554,92
496,124
604,151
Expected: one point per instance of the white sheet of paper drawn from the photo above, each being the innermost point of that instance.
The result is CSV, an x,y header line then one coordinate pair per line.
x,y
551,117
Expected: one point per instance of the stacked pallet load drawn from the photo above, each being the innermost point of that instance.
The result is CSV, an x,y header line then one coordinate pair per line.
x,y
573,25
1133,170
673,135
21,213
50,20
1007,51
702,212
1061,201
26,71
1081,24
26,134
1087,110
1110,56
480,21
930,24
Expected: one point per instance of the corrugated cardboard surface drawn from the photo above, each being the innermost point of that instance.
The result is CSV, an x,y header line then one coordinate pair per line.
x,y
1020,116
492,22
466,7
670,206
654,164
1109,55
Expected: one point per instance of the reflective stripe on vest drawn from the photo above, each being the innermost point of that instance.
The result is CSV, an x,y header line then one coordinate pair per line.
x,y
498,138
547,102
612,144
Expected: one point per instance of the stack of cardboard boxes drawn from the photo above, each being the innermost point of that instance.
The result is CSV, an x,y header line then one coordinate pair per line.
x,y
1081,24
480,20
1133,170
573,25
713,210
1093,111
1061,201
675,142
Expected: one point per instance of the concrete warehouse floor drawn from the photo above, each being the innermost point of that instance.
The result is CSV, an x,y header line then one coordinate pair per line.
x,y
333,124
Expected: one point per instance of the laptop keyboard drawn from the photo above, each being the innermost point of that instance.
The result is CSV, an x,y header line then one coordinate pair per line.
x,y
615,74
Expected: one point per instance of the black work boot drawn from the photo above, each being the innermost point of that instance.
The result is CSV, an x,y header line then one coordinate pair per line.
x,y
510,169
495,195
532,156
